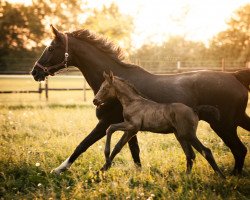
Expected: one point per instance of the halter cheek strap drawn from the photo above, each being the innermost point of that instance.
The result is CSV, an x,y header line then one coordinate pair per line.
x,y
62,65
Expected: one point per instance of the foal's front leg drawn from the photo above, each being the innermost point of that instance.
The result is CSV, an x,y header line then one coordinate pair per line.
x,y
124,126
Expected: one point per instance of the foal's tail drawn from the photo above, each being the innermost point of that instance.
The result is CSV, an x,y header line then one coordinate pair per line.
x,y
207,113
244,77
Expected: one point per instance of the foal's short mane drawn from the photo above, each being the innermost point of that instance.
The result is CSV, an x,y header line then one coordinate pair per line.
x,y
130,85
103,44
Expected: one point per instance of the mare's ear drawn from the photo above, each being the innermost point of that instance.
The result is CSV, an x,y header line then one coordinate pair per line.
x,y
57,34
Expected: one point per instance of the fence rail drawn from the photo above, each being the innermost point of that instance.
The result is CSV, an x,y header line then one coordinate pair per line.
x,y
154,66
46,87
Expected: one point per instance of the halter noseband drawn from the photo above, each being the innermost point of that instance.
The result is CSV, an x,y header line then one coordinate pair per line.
x,y
62,65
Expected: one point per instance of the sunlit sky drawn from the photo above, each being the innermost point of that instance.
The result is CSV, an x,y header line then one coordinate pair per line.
x,y
156,20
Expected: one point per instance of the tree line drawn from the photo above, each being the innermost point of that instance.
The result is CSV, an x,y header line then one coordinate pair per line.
x,y
24,29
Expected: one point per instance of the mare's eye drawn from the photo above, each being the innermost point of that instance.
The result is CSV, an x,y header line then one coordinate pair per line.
x,y
51,48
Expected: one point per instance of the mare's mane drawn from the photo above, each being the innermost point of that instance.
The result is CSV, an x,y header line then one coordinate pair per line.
x,y
103,44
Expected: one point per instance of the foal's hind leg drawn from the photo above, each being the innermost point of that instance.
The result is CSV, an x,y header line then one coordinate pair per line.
x,y
124,139
206,152
135,150
190,155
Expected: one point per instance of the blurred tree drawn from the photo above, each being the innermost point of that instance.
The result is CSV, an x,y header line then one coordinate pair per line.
x,y
234,43
175,48
62,14
19,28
110,22
23,27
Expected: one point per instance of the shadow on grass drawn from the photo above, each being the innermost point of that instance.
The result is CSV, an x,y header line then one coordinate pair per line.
x,y
29,181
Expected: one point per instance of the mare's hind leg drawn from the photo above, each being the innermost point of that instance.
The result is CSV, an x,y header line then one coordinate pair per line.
x,y
245,122
206,152
190,155
237,148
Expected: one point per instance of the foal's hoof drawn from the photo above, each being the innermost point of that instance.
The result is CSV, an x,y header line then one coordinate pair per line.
x,y
222,176
236,173
138,165
105,167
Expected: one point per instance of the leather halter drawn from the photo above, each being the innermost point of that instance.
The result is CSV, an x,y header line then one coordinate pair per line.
x,y
62,65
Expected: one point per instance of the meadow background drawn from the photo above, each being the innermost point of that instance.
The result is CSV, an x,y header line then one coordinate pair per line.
x,y
36,136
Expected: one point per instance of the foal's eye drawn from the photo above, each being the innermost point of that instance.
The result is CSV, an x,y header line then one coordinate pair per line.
x,y
51,48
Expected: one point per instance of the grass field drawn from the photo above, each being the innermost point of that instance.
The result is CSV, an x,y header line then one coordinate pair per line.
x,y
36,136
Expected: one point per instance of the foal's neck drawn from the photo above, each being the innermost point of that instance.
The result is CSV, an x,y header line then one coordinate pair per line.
x,y
127,95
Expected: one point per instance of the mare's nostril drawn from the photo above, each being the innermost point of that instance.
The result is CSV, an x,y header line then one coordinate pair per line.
x,y
95,101
34,72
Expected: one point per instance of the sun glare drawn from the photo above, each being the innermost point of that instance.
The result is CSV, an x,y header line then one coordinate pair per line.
x,y
26,2
156,20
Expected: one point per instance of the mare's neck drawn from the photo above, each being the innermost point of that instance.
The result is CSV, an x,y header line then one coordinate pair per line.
x,y
92,62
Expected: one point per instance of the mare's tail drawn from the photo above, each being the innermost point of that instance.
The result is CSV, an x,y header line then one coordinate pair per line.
x,y
244,77
207,113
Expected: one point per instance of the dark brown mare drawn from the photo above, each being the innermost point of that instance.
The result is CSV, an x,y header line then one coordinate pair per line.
x,y
93,55
141,114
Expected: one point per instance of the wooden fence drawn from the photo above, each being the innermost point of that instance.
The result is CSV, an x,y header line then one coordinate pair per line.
x,y
46,89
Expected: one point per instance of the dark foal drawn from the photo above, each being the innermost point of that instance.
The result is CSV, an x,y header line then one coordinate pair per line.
x,y
141,114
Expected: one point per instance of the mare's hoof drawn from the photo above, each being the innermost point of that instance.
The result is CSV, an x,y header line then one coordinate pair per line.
x,y
57,171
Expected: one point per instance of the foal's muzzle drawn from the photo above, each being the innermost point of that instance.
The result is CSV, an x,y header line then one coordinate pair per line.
x,y
97,103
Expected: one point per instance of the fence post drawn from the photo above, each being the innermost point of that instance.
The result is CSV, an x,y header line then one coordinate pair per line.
x,y
248,65
40,90
46,89
84,90
178,65
223,64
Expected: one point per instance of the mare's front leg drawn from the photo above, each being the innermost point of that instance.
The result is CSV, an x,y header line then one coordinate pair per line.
x,y
124,126
96,134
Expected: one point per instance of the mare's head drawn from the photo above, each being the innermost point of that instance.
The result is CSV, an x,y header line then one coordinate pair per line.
x,y
106,91
53,58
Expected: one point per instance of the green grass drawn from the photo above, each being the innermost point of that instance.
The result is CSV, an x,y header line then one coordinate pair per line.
x,y
36,136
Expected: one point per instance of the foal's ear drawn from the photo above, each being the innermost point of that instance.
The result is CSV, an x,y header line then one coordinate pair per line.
x,y
108,77
57,34
111,76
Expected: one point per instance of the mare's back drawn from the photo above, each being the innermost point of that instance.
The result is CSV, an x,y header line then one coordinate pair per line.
x,y
193,88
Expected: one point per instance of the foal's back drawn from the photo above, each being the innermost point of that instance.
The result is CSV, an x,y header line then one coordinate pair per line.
x,y
163,118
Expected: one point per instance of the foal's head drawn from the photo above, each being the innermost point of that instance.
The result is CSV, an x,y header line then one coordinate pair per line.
x,y
106,91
